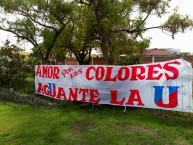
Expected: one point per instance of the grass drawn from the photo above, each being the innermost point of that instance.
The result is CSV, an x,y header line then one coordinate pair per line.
x,y
27,85
68,124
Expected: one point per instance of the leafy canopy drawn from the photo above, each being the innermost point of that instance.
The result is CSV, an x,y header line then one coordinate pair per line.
x,y
114,26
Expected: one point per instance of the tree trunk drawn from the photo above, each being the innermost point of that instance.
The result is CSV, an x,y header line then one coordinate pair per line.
x,y
105,54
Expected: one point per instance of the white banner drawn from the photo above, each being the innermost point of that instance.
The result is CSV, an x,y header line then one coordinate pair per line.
x,y
165,85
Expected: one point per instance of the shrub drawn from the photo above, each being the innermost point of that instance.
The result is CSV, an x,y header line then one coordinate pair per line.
x,y
12,66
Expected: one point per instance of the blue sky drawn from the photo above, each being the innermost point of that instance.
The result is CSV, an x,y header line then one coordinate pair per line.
x,y
182,41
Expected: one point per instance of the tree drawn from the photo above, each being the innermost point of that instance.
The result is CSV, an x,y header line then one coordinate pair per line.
x,y
122,22
79,38
38,22
115,26
82,35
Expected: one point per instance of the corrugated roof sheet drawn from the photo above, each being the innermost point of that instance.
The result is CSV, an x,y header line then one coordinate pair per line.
x,y
158,52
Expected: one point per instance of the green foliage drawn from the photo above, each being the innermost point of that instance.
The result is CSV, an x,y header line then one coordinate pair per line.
x,y
37,22
38,54
177,23
12,66
129,60
119,22
58,27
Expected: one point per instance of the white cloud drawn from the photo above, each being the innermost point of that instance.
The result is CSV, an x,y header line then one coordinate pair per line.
x,y
182,41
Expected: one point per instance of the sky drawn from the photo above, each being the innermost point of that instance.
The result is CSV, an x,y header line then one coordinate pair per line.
x,y
182,41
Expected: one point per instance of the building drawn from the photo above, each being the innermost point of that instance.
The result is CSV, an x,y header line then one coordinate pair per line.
x,y
160,54
149,56
164,54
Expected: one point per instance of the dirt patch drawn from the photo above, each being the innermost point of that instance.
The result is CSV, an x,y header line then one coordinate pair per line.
x,y
82,126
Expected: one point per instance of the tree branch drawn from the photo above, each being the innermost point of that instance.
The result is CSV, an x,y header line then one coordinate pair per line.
x,y
23,13
57,34
32,41
136,30
82,2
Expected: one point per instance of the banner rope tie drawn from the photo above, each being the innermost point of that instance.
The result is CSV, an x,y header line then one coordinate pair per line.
x,y
125,109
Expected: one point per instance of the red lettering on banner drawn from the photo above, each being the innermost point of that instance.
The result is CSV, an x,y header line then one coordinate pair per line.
x,y
84,93
93,96
40,88
76,73
48,72
108,75
67,71
152,72
172,70
61,94
134,97
123,76
38,71
88,73
114,100
44,72
73,94
46,90
136,72
100,71
138,75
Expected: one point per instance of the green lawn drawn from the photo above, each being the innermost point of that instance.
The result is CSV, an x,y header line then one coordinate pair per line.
x,y
27,86
69,124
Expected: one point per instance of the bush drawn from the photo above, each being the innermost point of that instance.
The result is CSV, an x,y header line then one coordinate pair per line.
x,y
13,66
129,60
